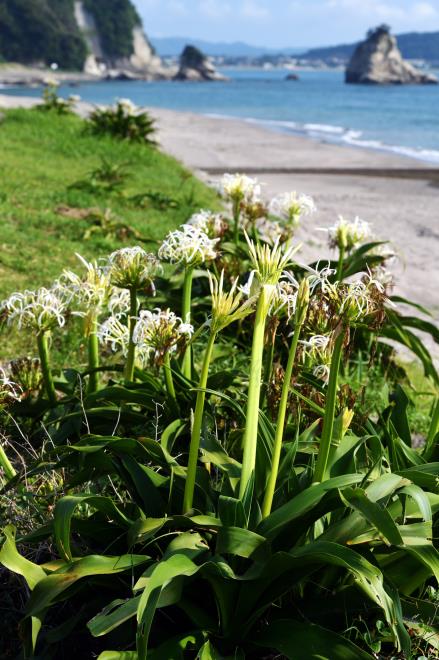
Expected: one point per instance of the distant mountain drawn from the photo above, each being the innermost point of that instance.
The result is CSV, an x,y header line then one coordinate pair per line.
x,y
413,46
173,46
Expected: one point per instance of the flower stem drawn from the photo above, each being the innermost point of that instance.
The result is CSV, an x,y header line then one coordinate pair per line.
x,y
168,378
196,429
43,350
186,316
6,465
93,358
341,263
280,425
328,421
236,218
254,392
131,357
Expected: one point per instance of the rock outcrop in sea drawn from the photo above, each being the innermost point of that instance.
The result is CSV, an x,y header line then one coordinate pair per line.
x,y
378,61
196,67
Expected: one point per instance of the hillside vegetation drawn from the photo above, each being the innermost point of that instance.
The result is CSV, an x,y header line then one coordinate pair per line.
x,y
45,31
52,174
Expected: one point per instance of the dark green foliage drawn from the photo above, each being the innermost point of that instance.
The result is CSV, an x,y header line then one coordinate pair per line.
x,y
124,123
41,31
35,31
115,20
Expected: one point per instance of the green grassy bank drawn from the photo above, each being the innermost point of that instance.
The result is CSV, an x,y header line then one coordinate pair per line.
x,y
42,156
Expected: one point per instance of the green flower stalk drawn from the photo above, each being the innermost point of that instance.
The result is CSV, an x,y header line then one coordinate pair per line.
x,y
89,295
133,269
169,379
226,309
93,358
186,309
132,320
190,247
331,400
43,351
300,316
269,264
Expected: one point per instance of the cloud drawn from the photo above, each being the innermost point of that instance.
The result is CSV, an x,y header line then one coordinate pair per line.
x,y
425,10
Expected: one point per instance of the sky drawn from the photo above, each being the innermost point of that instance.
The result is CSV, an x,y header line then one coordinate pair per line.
x,y
284,23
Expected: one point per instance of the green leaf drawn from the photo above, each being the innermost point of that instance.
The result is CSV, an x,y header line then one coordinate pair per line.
x,y
113,616
64,577
159,575
302,503
65,509
374,513
241,543
299,640
11,559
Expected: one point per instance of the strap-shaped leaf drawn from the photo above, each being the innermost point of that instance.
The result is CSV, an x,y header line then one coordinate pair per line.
x,y
299,640
65,509
302,503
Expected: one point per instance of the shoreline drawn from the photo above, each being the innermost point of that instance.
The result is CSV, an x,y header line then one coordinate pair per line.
x,y
399,201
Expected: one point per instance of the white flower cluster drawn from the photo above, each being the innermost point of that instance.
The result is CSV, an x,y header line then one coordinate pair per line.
x,y
39,310
155,334
129,108
348,235
207,222
188,246
317,349
291,206
90,291
239,187
159,332
133,268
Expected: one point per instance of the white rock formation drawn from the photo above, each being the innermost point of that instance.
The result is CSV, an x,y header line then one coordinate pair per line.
x,y
378,61
143,63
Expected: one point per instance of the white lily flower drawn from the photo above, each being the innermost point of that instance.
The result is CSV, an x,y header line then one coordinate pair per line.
x,y
239,187
348,235
39,310
160,332
320,278
90,291
322,372
133,268
207,222
292,206
188,246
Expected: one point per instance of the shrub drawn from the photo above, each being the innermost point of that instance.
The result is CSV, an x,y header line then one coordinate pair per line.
x,y
124,121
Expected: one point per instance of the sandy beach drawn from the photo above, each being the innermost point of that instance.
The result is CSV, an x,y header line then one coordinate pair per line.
x,y
397,195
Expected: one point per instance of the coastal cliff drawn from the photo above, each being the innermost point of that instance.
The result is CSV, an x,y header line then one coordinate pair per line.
x,y
378,61
102,38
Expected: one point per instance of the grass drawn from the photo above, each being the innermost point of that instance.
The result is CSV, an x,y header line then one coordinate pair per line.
x,y
42,155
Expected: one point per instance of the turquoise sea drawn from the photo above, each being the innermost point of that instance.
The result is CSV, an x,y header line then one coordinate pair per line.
x,y
402,119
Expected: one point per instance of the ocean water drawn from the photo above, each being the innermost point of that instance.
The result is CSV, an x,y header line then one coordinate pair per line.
x,y
400,119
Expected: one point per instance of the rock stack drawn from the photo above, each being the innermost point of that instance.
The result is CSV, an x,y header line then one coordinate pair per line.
x,y
195,66
378,61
